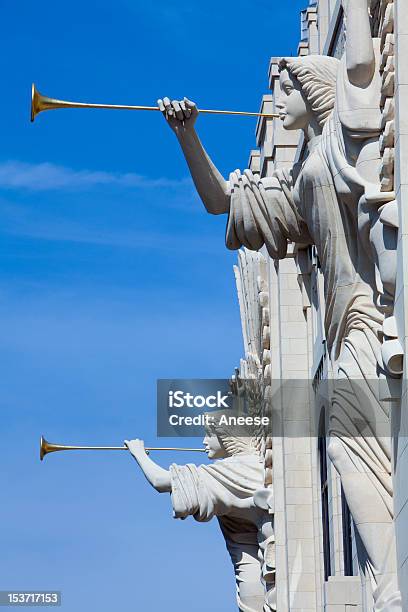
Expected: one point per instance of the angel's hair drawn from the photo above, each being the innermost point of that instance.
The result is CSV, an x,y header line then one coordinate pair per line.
x,y
235,440
317,76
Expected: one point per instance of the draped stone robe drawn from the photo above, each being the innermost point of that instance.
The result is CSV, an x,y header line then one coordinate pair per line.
x,y
301,204
215,490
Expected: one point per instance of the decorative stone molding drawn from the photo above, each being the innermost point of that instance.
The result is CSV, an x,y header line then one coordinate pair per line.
x,y
254,162
253,295
383,27
253,378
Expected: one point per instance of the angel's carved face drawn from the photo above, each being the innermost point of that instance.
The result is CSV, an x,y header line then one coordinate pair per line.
x,y
292,105
214,447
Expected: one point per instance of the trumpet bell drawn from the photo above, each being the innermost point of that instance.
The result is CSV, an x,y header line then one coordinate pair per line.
x,y
35,102
46,447
41,103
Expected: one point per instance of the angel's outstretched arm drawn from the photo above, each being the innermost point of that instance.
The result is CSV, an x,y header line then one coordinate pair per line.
x,y
157,476
359,43
212,188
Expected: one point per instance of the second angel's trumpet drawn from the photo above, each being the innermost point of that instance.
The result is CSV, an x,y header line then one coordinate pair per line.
x,y
48,447
40,103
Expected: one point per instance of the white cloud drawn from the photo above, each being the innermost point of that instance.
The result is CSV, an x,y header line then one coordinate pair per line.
x,y
64,231
51,177
26,222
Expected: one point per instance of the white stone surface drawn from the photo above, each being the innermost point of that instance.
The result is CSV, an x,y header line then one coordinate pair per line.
x,y
400,425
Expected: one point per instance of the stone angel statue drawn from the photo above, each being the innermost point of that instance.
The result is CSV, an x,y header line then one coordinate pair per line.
x,y
333,200
225,490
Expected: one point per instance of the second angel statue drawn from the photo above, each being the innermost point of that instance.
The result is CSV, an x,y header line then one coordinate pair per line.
x,y
232,490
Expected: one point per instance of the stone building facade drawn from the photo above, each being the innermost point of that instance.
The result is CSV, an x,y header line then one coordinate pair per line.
x,y
315,548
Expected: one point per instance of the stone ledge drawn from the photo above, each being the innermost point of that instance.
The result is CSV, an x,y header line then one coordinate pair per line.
x,y
343,591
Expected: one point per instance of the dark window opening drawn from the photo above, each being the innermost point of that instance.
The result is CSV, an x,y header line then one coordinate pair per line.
x,y
325,501
347,537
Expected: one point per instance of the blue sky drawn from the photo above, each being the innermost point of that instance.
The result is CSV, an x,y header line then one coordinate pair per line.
x,y
112,275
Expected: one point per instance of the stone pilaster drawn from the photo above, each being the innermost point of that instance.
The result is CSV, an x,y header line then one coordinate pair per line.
x,y
400,416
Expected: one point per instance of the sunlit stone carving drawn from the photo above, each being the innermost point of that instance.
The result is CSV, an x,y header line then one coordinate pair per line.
x,y
232,490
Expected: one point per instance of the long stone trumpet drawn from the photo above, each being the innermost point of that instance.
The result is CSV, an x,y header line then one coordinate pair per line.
x,y
40,103
48,447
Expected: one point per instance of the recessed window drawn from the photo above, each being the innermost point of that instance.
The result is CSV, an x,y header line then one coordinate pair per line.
x,y
325,499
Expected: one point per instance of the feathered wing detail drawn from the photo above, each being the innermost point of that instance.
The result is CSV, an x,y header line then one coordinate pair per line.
x,y
251,382
252,385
